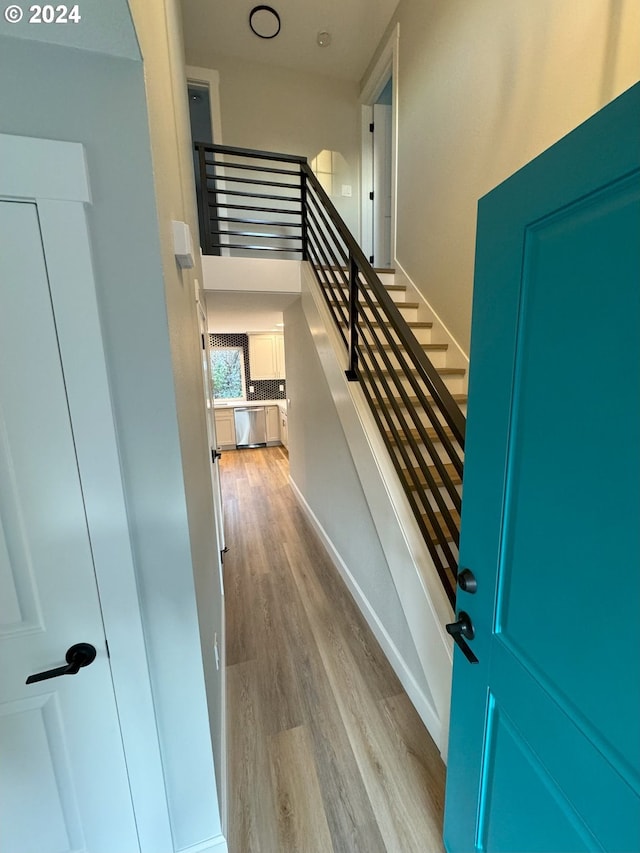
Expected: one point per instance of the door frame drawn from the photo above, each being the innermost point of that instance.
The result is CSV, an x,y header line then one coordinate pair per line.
x,y
210,80
386,66
53,175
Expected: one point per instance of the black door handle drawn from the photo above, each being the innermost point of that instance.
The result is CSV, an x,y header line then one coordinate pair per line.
x,y
82,654
460,630
215,454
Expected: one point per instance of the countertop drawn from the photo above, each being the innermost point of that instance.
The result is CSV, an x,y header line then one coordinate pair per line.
x,y
281,404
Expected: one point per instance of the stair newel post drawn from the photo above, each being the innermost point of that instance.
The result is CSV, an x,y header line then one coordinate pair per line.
x,y
303,213
203,199
351,372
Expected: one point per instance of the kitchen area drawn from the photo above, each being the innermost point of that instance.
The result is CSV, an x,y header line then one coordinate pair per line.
x,y
249,381
245,337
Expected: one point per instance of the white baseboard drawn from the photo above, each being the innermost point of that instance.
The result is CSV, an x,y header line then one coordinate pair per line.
x,y
420,702
217,844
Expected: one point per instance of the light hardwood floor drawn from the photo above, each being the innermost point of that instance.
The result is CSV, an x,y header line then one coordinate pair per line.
x,y
326,752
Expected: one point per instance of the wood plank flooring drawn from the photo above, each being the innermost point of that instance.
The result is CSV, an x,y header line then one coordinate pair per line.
x,y
326,752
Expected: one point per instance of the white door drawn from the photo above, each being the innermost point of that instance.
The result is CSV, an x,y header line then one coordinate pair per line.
x,y
63,778
207,383
382,201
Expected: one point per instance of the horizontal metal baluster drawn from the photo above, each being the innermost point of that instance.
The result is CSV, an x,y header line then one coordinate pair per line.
x,y
256,182
433,418
341,319
223,191
269,222
446,512
331,229
252,167
441,568
280,210
340,304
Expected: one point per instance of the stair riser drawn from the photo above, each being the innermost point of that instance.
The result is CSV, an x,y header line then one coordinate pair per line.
x,y
397,296
437,357
422,416
456,384
410,315
423,336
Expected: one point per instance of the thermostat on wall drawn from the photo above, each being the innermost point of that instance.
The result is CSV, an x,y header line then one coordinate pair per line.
x,y
182,244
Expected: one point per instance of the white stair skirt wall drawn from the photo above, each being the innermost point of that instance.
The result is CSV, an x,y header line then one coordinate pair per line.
x,y
421,702
422,597
456,356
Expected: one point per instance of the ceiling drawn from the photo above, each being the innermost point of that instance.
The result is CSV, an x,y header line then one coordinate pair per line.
x,y
214,28
221,27
242,311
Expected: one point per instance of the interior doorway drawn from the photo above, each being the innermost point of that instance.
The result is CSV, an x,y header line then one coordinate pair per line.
x,y
382,145
378,176
204,118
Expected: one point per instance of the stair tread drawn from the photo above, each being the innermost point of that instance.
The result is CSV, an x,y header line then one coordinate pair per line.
x,y
410,305
431,433
377,270
412,324
429,347
459,398
443,371
450,468
397,288
456,517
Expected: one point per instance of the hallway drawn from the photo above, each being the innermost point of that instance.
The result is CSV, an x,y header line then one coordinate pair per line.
x,y
326,752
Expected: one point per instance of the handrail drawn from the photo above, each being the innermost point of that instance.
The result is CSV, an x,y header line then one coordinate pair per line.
x,y
453,414
305,223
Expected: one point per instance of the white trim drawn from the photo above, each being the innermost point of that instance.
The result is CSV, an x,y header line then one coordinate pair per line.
x,y
387,65
218,844
72,283
366,180
44,169
211,79
420,702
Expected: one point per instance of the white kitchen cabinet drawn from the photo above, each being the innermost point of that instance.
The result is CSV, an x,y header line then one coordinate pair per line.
x,y
266,356
273,424
225,429
280,356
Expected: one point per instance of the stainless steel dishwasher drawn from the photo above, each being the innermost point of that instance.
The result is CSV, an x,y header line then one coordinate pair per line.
x,y
251,426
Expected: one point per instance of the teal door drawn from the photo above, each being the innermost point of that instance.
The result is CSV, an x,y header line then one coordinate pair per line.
x,y
544,751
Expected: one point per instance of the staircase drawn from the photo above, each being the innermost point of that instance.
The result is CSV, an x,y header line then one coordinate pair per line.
x,y
409,451
414,395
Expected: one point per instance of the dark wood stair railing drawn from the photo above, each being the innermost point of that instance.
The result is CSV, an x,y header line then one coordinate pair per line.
x,y
420,420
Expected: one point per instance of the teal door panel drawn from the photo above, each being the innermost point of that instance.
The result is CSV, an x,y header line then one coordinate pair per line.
x,y
544,750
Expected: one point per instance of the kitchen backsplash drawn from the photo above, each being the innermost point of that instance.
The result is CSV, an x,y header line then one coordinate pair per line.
x,y
263,389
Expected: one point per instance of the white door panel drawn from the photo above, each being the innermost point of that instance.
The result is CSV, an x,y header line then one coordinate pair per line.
x,y
382,204
63,778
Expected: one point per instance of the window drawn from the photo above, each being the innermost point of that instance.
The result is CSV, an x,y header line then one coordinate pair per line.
x,y
227,373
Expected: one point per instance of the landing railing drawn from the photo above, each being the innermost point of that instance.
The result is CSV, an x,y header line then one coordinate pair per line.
x,y
252,202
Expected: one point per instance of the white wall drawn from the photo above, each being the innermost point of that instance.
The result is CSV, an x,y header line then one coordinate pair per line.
x,y
79,95
159,31
276,109
483,88
323,471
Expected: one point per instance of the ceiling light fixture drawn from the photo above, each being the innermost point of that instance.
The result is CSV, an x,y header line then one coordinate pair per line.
x,y
324,38
264,22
